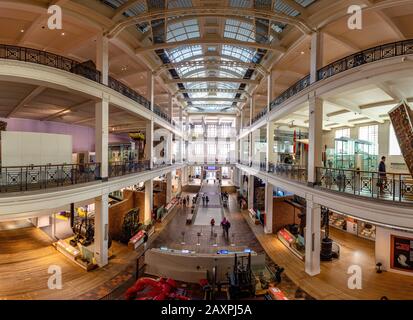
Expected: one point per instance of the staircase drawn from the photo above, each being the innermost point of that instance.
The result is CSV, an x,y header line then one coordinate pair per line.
x,y
402,120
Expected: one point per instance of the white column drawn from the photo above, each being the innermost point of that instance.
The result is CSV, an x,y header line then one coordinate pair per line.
x,y
315,137
149,153
170,106
270,90
252,107
102,136
250,191
101,230
269,191
169,187
242,119
250,151
102,57
312,238
151,88
316,55
180,117
169,148
148,201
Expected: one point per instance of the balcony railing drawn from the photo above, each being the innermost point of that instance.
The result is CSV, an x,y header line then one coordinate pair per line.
x,y
378,53
389,186
59,62
118,169
394,187
27,178
289,171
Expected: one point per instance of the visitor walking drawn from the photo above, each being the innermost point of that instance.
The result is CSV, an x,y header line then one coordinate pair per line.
x,y
203,200
227,225
382,174
206,200
212,225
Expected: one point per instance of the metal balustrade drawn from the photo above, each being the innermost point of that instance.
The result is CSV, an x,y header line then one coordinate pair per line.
x,y
389,186
52,60
118,169
290,171
393,187
378,53
27,178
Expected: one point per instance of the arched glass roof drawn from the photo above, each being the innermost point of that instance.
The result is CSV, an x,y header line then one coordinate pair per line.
x,y
180,29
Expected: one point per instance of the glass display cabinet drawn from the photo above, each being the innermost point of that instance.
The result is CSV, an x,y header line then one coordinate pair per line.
x,y
344,157
366,160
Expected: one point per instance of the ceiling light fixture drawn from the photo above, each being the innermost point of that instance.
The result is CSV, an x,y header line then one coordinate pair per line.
x,y
22,30
63,34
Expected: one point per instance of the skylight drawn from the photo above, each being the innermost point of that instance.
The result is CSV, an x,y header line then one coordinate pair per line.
x,y
242,54
239,30
184,52
182,31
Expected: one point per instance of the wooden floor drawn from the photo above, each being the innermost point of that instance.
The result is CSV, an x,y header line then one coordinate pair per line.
x,y
27,253
331,283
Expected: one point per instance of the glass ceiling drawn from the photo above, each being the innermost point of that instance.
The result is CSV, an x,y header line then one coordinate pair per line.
x,y
181,29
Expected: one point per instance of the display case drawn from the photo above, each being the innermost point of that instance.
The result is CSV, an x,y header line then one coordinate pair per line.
x,y
122,152
357,227
366,230
344,157
337,221
366,160
354,154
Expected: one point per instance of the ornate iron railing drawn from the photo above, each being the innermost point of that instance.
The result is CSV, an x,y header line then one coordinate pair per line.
x,y
26,178
9,52
385,186
366,56
292,91
290,171
378,53
259,116
118,169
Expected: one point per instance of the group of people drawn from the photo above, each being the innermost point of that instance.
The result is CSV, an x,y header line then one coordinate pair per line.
x,y
184,201
205,200
225,225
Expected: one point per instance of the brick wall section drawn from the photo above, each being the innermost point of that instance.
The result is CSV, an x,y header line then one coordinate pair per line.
x,y
283,214
118,211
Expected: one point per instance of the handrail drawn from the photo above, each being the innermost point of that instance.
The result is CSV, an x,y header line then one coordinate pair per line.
x,y
354,60
35,177
380,185
36,56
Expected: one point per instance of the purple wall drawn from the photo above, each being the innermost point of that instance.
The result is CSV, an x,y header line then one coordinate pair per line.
x,y
83,137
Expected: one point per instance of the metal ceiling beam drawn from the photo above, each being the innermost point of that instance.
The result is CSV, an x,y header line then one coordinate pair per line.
x,y
212,90
227,12
356,109
208,99
209,41
67,110
33,94
213,79
213,64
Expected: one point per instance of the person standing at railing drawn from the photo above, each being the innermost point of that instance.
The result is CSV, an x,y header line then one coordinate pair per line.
x,y
329,175
382,174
